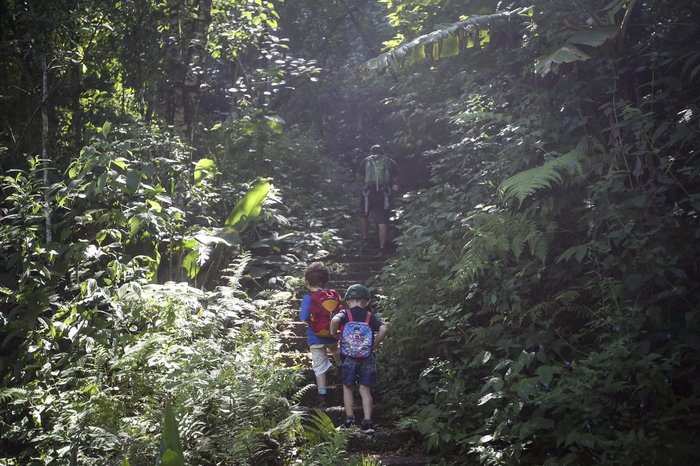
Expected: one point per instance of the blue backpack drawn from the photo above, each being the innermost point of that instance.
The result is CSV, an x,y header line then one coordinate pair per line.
x,y
357,338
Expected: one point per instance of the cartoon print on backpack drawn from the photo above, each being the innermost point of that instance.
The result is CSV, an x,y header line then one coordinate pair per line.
x,y
356,338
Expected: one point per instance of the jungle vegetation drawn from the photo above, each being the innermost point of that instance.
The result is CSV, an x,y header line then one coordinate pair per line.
x,y
168,167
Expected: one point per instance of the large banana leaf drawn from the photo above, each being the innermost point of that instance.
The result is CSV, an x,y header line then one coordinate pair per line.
x,y
593,37
569,52
448,40
249,207
202,244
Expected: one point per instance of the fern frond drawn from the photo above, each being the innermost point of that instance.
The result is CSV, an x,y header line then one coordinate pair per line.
x,y
141,350
536,311
290,423
319,428
497,235
526,183
567,297
235,271
15,394
296,398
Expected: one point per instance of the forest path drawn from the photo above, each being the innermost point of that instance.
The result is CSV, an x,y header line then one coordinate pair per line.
x,y
388,445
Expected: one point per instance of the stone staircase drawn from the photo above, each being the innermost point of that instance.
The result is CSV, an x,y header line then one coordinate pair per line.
x,y
388,445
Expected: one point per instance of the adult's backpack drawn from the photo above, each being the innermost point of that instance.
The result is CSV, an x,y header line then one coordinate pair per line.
x,y
357,338
377,171
324,305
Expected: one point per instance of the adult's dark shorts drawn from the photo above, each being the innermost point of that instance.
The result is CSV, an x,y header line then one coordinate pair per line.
x,y
375,205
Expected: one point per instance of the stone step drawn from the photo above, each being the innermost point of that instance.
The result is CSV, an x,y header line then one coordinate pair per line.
x,y
292,328
296,358
334,397
356,275
295,343
384,439
398,460
362,261
342,285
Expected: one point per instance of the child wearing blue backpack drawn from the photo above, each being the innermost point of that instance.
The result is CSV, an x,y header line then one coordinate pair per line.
x,y
361,332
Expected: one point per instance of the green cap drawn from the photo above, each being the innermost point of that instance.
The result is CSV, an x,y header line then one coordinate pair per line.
x,y
357,291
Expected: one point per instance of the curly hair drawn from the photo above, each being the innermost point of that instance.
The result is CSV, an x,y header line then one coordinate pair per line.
x,y
317,274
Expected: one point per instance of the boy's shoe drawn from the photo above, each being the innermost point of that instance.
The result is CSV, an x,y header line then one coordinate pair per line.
x,y
367,427
321,401
348,424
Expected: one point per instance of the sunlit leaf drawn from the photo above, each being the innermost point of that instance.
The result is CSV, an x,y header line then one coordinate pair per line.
x,y
249,207
205,168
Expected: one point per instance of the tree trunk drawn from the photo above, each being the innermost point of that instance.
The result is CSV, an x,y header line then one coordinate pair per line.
x,y
44,145
186,56
175,66
195,69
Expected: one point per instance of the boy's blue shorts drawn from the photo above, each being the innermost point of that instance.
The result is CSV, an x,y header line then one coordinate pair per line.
x,y
359,371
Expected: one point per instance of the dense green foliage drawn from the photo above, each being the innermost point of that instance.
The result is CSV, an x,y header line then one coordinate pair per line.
x,y
546,294
169,166
147,255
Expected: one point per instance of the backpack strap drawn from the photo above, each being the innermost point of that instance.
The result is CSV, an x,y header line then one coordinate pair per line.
x,y
349,314
369,316
313,296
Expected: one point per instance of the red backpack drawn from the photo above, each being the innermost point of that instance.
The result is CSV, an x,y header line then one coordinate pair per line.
x,y
324,305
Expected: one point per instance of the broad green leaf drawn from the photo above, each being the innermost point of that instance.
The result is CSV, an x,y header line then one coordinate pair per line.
x,y
154,205
275,123
218,236
106,128
593,37
546,373
577,252
136,223
171,458
120,162
567,53
205,168
170,446
190,263
249,207
488,397
133,179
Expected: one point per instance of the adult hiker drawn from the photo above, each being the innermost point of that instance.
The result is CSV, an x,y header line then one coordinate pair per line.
x,y
378,173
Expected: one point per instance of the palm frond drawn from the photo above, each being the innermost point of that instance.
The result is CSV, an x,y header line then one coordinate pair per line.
x,y
447,41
